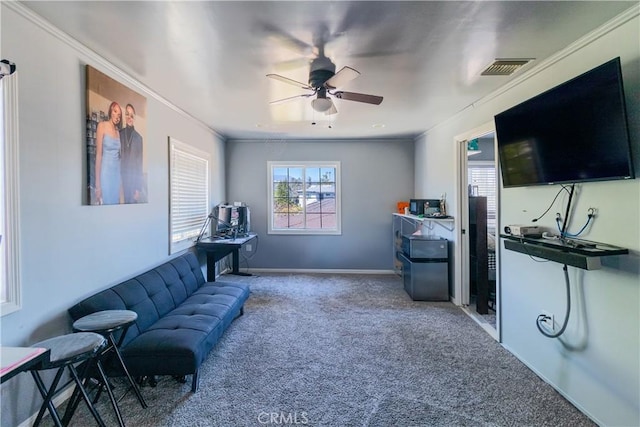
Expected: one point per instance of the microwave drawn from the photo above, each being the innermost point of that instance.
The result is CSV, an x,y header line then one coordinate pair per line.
x,y
424,206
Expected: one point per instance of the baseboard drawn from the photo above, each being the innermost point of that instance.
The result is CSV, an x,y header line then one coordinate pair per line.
x,y
556,388
318,271
57,401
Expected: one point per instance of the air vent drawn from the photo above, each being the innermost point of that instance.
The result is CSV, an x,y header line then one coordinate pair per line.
x,y
505,67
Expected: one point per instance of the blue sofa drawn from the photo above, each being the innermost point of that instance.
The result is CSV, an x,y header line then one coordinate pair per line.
x,y
180,317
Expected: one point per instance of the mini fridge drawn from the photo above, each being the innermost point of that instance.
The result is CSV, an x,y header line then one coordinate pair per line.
x,y
425,267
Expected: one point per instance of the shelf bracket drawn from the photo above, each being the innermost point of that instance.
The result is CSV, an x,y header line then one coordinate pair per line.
x,y
415,219
441,224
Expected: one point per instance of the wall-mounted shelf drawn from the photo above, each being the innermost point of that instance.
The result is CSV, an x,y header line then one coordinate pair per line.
x,y
574,252
446,222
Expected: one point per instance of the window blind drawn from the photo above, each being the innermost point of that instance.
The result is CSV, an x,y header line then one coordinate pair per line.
x,y
189,193
483,178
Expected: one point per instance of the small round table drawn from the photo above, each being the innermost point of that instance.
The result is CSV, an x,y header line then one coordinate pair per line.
x,y
107,323
65,352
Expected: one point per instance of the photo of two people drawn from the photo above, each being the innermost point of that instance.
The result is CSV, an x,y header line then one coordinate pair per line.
x,y
116,128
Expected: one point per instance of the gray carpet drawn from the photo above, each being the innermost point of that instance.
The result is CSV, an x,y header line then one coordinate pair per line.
x,y
349,350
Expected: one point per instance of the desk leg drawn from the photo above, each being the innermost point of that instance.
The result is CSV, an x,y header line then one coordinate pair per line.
x,y
211,267
235,264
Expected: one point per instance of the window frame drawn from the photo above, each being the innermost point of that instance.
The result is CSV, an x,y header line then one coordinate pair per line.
x,y
9,177
271,165
201,212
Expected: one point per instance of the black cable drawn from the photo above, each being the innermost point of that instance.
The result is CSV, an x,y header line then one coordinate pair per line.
x,y
542,317
533,257
551,205
565,223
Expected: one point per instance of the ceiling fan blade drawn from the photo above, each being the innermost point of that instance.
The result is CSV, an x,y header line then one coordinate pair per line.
x,y
287,40
291,64
332,109
360,97
290,81
346,74
291,98
379,53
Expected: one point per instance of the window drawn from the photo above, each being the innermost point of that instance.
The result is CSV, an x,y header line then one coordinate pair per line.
x,y
10,292
482,178
188,194
304,198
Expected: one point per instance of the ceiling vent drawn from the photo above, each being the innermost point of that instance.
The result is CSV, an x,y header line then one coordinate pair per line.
x,y
505,67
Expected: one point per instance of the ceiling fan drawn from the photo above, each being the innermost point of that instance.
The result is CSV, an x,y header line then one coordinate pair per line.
x,y
323,81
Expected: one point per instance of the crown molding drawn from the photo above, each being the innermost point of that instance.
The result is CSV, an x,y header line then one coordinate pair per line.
x,y
93,57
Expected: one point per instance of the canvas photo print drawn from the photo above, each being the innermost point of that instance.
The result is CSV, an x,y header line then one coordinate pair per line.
x,y
116,130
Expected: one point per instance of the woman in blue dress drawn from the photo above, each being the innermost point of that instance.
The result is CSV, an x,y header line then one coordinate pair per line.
x,y
108,177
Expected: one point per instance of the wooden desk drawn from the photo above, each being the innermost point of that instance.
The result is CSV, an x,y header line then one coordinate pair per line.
x,y
217,249
14,360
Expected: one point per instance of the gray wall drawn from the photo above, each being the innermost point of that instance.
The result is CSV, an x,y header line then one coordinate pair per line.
x,y
375,175
70,250
597,366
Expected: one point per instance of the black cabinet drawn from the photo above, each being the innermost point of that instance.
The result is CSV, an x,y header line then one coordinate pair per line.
x,y
479,253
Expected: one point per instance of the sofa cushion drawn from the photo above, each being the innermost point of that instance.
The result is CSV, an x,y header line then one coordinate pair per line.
x,y
158,294
172,350
232,295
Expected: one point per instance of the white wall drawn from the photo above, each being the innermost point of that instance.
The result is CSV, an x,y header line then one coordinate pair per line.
x,y
70,250
598,369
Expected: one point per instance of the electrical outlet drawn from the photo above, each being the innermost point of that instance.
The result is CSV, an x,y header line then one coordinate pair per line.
x,y
248,247
548,322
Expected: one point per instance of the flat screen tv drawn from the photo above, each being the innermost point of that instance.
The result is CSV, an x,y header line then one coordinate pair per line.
x,y
575,132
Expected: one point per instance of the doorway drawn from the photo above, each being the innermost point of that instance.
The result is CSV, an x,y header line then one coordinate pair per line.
x,y
478,211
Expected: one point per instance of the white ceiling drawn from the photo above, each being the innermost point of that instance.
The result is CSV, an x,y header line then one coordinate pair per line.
x,y
210,58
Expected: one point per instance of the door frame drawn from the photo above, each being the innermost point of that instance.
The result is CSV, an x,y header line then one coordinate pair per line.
x,y
462,237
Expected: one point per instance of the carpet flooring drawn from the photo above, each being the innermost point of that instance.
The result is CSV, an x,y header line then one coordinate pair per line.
x,y
349,350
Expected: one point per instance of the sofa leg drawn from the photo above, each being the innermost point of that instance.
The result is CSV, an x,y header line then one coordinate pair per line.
x,y
241,310
194,382
151,379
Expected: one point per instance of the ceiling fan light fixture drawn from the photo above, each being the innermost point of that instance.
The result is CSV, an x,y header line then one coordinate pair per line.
x,y
321,104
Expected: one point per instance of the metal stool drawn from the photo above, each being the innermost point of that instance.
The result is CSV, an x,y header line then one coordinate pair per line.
x,y
66,351
107,323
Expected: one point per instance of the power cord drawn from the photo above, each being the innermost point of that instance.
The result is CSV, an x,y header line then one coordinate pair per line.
x,y
543,317
530,255
550,205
